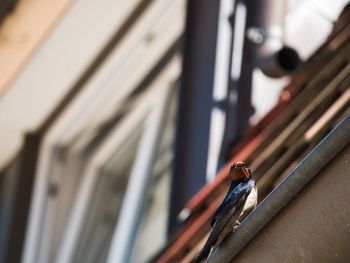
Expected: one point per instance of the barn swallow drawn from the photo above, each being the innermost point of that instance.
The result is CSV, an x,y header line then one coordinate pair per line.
x,y
240,200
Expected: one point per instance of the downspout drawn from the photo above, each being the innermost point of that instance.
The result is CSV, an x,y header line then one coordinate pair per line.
x,y
273,57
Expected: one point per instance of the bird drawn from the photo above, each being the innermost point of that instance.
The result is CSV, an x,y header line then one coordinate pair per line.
x,y
240,200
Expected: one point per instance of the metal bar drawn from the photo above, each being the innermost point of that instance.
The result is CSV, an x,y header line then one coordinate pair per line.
x,y
225,126
220,90
316,130
308,168
195,101
239,108
139,183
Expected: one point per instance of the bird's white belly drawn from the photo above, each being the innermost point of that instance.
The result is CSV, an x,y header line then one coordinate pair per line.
x,y
251,202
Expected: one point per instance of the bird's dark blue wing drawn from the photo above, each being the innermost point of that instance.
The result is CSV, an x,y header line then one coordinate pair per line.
x,y
234,194
225,202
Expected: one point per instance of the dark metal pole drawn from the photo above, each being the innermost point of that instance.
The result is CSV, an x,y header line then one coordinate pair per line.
x,y
191,146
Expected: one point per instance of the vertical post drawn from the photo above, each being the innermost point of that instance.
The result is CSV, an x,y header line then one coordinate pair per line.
x,y
195,103
22,198
239,108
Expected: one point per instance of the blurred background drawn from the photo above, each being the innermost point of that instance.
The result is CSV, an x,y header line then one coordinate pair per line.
x,y
118,119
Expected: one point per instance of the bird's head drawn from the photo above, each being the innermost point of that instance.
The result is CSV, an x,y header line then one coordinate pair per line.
x,y
239,171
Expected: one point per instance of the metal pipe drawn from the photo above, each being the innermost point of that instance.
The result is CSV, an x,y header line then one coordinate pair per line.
x,y
273,57
195,104
308,168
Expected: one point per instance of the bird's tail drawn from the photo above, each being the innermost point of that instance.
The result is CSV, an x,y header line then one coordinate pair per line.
x,y
202,256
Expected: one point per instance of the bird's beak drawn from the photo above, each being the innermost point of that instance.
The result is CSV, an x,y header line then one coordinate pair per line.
x,y
247,173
